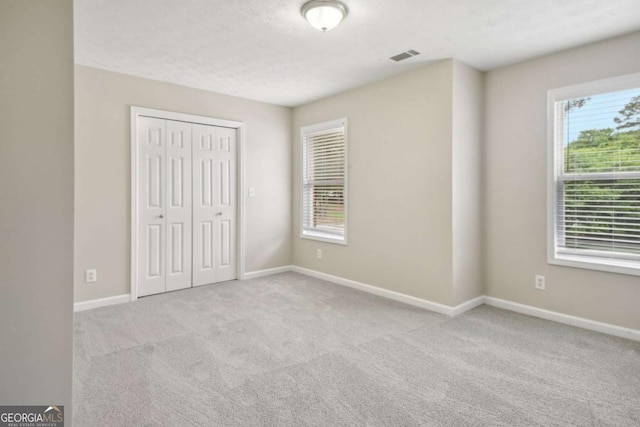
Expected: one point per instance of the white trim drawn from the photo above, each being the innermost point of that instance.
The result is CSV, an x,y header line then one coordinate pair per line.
x,y
133,223
467,305
323,237
183,117
396,296
566,319
627,81
268,272
241,193
101,302
551,178
592,325
577,260
599,264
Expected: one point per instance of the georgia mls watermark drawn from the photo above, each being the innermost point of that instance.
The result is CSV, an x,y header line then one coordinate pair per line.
x,y
32,416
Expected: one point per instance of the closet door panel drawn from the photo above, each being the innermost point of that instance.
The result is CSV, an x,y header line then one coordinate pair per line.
x,y
226,153
151,140
179,205
205,189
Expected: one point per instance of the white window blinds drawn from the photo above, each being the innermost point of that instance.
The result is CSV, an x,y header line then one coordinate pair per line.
x,y
597,177
324,181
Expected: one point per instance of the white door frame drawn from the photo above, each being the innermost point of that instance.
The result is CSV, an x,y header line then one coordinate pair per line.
x,y
169,115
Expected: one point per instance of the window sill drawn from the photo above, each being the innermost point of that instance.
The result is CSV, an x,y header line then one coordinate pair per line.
x,y
589,263
323,237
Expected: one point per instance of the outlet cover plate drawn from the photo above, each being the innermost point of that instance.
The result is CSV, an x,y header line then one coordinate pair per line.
x,y
91,276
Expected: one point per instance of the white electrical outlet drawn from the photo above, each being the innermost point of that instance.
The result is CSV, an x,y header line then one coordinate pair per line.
x,y
91,276
540,283
319,253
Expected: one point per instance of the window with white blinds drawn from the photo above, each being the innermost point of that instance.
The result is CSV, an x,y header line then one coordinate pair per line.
x,y
324,181
595,187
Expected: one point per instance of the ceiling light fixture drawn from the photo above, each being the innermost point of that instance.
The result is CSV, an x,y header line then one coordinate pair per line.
x,y
324,15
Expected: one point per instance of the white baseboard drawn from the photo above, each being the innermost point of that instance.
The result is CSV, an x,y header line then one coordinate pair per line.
x,y
268,272
119,299
396,296
580,322
101,302
606,328
467,305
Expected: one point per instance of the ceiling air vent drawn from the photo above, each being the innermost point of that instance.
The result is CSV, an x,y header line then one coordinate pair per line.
x,y
405,55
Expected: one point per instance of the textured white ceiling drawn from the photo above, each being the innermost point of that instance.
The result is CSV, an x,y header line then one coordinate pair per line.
x,y
265,50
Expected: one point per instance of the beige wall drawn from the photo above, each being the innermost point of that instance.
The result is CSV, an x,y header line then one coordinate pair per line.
x,y
399,203
102,171
36,218
515,173
467,137
435,211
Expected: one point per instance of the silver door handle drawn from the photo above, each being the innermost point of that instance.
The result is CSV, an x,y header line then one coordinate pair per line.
x,y
218,213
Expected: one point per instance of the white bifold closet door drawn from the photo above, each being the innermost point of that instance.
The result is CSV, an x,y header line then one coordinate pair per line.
x,y
214,204
165,223
187,207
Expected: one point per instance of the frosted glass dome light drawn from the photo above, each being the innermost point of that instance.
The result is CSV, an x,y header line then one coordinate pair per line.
x,y
324,15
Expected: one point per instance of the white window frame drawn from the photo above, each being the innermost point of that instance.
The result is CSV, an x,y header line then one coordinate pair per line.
x,y
555,256
317,235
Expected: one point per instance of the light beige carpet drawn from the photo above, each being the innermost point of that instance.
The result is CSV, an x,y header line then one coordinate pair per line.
x,y
289,350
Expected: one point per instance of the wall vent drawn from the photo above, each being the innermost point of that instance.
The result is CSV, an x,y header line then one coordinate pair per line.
x,y
405,55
